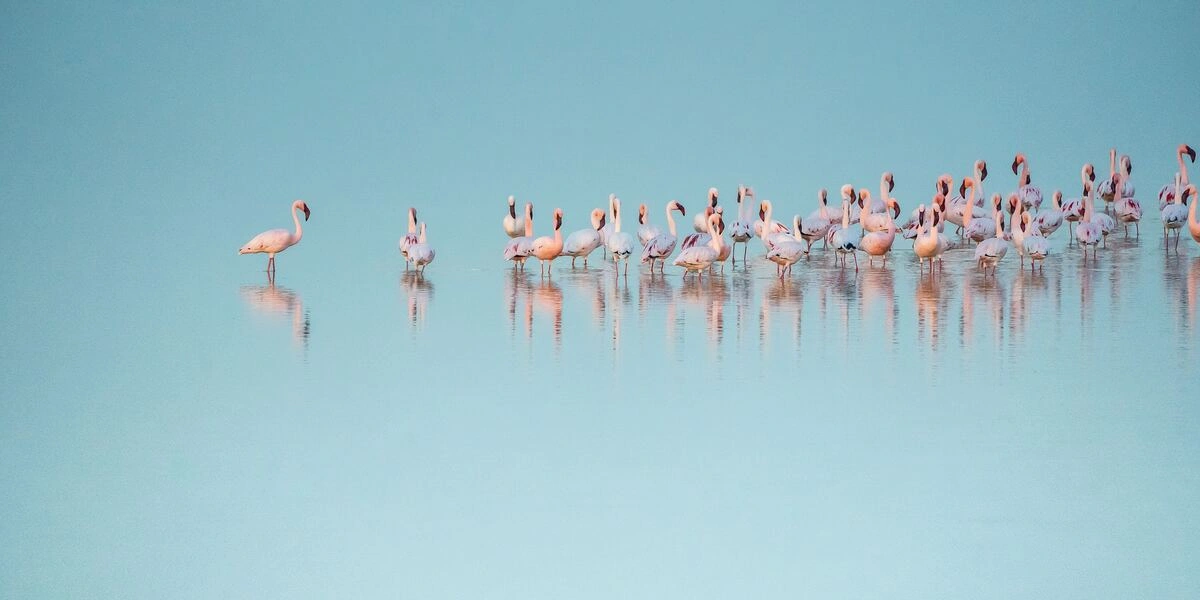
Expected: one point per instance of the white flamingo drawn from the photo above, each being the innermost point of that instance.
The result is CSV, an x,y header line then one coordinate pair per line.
x,y
1030,195
1087,232
1017,225
646,231
274,241
1105,189
816,224
547,248
835,222
700,221
421,253
956,207
991,251
620,243
846,239
514,226
785,253
1128,209
743,228
581,243
1175,214
518,249
698,258
1073,208
409,238
1048,221
976,229
1165,194
879,221
776,231
660,248
1036,245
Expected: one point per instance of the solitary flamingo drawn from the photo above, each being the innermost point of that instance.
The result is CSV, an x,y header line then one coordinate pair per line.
x,y
274,241
421,253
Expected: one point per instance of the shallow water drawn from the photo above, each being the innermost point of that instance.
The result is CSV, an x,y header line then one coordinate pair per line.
x,y
353,429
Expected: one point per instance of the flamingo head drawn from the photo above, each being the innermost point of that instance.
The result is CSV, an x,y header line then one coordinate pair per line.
x,y
1089,172
762,210
1018,160
889,180
943,184
597,219
939,202
921,213
512,201
864,197
302,205
1127,165
720,224
823,195
712,197
557,218
895,209
1188,192
1012,202
981,168
512,207
1186,149
675,205
641,214
848,192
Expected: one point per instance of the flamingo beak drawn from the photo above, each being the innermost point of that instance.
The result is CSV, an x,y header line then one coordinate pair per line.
x,y
1130,165
557,221
602,222
512,210
1190,152
983,173
962,189
762,214
896,210
306,211
891,184
1014,166
682,210
1091,174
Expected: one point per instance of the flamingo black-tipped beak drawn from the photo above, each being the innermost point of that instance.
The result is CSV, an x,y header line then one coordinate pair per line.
x,y
983,172
602,222
557,221
896,210
682,210
945,188
962,189
1190,152
1130,163
307,212
512,210
891,184
762,214
1014,166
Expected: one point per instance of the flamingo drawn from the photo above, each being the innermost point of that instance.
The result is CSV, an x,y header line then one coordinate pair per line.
x,y
514,226
846,240
726,250
519,248
816,224
775,232
927,244
976,229
1036,245
274,241
786,252
879,221
421,253
886,185
879,243
742,229
1049,221
646,231
547,248
1175,214
700,221
991,251
1017,225
409,238
607,229
581,243
848,195
1073,209
1128,209
956,207
1105,189
1165,194
661,247
698,258
620,243
1030,195
1087,232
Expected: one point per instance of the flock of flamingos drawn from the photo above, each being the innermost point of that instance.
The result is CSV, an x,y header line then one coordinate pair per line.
x,y
863,224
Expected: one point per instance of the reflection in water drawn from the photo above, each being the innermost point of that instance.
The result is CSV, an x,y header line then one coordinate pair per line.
x,y
526,298
709,296
279,301
879,289
418,291
931,298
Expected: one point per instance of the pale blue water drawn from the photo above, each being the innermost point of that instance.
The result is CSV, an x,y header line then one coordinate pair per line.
x,y
171,426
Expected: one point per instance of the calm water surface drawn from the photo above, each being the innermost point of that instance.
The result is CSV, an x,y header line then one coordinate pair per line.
x,y
180,428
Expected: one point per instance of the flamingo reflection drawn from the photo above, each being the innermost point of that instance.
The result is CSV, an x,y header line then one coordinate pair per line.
x,y
273,301
418,292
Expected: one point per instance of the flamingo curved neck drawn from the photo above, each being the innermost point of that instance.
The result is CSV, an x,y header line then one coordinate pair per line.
x,y
299,228
670,220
